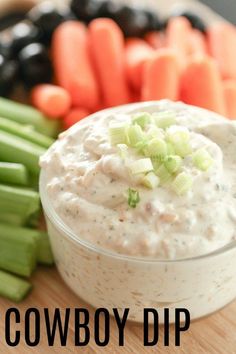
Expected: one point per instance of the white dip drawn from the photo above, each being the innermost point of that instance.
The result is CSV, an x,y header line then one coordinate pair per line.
x,y
87,180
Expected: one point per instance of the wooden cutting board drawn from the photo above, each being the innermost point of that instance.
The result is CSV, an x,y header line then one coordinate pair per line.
x,y
212,335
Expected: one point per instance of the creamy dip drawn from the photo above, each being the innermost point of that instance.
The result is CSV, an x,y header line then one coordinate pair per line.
x,y
86,180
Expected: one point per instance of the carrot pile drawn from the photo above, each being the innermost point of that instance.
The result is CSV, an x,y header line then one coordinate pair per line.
x,y
96,67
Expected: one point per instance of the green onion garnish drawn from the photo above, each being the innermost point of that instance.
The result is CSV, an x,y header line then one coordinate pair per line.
x,y
164,175
173,163
164,119
202,159
123,150
182,183
151,180
142,119
133,197
182,148
117,133
134,135
141,166
156,147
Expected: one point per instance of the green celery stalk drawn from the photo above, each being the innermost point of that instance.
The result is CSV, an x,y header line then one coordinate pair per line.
x,y
16,149
45,255
18,201
18,249
13,219
26,132
24,114
12,287
13,173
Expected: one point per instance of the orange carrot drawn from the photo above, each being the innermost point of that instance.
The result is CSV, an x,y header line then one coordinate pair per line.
x,y
54,101
137,52
161,76
197,43
229,87
72,64
222,46
155,39
74,116
107,49
202,86
177,32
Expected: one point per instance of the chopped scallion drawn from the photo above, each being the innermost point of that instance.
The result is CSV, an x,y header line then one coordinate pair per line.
x,y
173,163
151,180
156,147
134,135
164,119
202,159
133,197
142,119
141,166
117,133
182,183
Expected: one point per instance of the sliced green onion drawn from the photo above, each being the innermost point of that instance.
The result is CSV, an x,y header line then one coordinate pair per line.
x,y
156,147
141,166
134,135
117,133
142,119
173,163
178,134
133,197
157,161
170,149
182,149
123,150
164,119
151,180
12,287
140,146
202,159
155,132
164,175
182,183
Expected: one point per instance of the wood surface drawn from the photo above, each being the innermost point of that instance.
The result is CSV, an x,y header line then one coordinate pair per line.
x,y
214,334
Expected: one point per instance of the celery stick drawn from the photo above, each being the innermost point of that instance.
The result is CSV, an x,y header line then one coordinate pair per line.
x,y
18,201
12,287
15,149
23,114
18,249
13,219
26,132
45,255
13,173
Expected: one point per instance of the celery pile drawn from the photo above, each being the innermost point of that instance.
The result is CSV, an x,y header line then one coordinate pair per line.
x,y
25,134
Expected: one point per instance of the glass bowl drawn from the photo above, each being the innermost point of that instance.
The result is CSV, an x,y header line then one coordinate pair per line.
x,y
102,278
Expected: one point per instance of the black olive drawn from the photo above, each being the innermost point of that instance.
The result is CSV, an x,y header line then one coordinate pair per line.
x,y
47,18
11,18
35,65
21,35
133,21
86,10
154,23
195,20
8,75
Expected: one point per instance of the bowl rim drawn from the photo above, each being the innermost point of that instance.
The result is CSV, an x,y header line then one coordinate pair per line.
x,y
68,233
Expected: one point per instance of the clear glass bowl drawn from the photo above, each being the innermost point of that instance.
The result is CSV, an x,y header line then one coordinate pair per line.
x,y
105,279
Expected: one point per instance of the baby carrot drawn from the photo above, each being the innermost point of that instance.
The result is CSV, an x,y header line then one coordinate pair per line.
x,y
202,86
137,51
222,46
155,39
54,101
197,43
72,64
177,32
229,87
161,76
74,116
107,48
